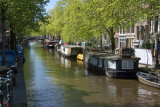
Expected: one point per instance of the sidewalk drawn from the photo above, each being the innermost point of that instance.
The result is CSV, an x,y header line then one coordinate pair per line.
x,y
144,66
19,97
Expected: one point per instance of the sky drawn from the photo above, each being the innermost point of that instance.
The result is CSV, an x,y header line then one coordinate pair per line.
x,y
51,5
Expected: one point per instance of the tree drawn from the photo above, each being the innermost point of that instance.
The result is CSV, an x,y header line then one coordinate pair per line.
x,y
3,22
19,15
81,20
85,19
57,18
23,15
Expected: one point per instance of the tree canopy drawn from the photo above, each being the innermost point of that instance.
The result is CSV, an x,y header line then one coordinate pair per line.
x,y
81,20
23,14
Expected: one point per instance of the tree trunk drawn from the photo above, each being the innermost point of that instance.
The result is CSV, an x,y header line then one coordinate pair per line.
x,y
12,40
3,35
101,43
15,42
111,34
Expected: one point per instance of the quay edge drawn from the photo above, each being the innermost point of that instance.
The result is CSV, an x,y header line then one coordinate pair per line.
x,y
20,97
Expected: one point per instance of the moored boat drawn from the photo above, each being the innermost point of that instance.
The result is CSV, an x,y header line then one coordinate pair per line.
x,y
70,50
148,79
96,63
114,66
121,67
87,57
50,43
80,57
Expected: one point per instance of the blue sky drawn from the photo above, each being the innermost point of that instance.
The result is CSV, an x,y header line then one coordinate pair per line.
x,y
51,5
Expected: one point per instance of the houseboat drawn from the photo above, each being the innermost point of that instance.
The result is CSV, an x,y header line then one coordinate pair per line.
x,y
114,66
87,55
121,67
96,63
50,43
70,50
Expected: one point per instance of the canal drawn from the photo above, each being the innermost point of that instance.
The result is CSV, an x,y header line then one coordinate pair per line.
x,y
53,81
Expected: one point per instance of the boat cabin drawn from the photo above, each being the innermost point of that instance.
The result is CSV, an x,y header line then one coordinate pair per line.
x,y
115,66
71,50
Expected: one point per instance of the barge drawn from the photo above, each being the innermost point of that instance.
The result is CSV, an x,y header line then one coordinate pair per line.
x,y
121,67
49,43
70,50
114,66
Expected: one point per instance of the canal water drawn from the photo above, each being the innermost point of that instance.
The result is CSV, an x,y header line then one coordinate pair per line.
x,y
53,81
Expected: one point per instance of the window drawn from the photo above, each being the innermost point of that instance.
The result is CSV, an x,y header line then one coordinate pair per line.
x,y
112,64
132,29
122,42
142,30
127,64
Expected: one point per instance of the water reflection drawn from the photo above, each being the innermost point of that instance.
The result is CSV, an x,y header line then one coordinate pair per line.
x,y
53,80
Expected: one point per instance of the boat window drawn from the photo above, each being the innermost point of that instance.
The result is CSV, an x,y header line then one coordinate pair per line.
x,y
93,61
105,64
127,64
112,64
100,63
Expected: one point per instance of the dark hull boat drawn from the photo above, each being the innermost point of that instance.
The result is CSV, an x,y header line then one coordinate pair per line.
x,y
119,67
114,66
148,79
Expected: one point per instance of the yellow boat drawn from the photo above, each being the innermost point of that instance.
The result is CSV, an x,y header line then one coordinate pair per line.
x,y
80,57
79,62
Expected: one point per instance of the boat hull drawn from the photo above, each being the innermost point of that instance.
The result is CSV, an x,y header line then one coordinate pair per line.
x,y
121,74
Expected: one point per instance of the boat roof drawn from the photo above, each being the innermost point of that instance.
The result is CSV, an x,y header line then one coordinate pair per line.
x,y
115,57
109,56
96,53
72,46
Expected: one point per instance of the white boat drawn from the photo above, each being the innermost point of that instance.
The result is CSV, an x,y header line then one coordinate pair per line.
x,y
70,50
148,79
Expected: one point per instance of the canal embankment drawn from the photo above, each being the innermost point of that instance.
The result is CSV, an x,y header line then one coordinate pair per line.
x,y
19,97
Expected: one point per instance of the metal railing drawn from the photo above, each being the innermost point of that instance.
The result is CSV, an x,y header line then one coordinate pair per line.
x,y
6,90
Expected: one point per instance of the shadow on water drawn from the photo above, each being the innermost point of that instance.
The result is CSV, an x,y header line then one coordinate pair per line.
x,y
55,81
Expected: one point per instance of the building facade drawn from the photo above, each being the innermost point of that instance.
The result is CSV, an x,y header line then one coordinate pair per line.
x,y
135,36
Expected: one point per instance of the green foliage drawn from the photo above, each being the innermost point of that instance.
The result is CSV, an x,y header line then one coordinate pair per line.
x,y
146,45
81,20
24,14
